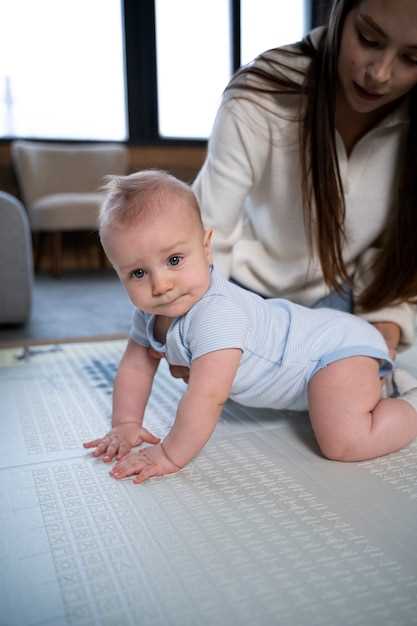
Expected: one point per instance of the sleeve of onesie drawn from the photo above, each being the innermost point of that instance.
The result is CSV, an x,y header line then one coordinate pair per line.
x,y
226,177
403,314
138,328
215,323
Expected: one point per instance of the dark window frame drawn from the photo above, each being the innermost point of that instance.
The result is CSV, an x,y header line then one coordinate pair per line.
x,y
141,70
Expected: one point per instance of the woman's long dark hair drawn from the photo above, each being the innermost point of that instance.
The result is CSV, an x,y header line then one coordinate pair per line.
x,y
395,266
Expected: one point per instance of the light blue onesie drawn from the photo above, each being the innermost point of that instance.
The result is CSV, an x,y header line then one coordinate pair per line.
x,y
283,344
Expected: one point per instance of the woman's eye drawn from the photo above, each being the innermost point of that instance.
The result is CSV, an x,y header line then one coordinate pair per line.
x,y
367,42
174,260
138,273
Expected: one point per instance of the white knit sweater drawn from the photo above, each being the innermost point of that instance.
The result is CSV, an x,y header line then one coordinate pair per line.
x,y
249,189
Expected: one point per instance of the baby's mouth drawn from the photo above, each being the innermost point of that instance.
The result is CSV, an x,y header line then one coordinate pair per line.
x,y
169,302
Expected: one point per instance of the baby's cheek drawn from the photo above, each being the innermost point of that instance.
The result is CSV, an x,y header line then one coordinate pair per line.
x,y
136,297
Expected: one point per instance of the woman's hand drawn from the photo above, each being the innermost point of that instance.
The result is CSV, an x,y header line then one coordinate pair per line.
x,y
120,440
177,371
391,332
145,464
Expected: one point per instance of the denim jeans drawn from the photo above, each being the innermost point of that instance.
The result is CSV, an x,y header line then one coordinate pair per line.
x,y
342,301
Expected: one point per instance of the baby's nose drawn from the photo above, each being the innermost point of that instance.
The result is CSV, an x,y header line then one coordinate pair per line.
x,y
160,284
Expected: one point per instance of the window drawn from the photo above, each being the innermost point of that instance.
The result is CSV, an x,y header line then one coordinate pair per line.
x,y
268,24
151,71
194,53
194,63
62,70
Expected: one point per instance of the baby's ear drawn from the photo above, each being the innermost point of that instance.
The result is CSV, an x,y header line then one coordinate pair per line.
x,y
207,243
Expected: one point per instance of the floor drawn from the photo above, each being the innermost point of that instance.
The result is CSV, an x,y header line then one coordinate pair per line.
x,y
81,303
259,529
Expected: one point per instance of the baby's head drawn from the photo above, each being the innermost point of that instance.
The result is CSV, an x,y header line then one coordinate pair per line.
x,y
151,230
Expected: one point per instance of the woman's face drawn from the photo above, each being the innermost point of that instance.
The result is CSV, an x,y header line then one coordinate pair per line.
x,y
378,53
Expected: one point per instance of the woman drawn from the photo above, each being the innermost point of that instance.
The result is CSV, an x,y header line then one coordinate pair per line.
x,y
310,180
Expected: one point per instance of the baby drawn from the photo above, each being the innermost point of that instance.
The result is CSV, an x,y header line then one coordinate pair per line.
x,y
262,353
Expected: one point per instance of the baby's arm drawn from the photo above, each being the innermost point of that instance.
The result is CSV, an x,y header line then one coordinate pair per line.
x,y
131,391
211,378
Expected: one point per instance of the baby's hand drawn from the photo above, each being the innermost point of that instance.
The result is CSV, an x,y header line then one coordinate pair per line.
x,y
120,440
145,464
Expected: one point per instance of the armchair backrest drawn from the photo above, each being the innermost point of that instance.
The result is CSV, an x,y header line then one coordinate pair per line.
x,y
43,169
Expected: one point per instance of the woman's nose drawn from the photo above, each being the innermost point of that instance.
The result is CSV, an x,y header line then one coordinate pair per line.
x,y
380,70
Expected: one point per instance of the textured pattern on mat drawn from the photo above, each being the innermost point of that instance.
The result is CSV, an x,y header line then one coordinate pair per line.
x,y
259,529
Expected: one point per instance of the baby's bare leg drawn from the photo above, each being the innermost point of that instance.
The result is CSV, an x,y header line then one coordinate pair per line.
x,y
350,420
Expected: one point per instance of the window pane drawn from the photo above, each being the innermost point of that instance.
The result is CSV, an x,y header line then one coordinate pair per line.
x,y
267,24
62,69
194,64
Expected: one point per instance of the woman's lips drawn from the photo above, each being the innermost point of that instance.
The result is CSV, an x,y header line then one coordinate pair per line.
x,y
367,95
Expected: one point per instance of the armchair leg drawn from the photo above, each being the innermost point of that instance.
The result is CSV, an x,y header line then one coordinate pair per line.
x,y
56,245
38,240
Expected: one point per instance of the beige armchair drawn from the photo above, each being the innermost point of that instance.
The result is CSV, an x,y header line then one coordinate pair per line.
x,y
60,184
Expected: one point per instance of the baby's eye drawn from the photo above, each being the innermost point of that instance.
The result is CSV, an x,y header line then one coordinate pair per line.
x,y
138,273
175,260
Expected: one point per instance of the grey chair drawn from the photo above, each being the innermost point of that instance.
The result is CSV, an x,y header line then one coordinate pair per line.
x,y
60,185
16,267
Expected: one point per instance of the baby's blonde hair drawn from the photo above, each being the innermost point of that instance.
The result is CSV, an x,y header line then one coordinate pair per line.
x,y
128,196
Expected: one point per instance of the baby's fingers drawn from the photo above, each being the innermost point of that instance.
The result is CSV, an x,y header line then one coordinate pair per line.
x,y
127,466
124,449
111,451
101,448
93,443
148,472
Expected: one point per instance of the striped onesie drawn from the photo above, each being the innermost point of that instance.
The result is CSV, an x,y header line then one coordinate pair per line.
x,y
283,344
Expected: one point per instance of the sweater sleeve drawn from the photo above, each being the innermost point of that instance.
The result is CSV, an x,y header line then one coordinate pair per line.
x,y
402,314
227,176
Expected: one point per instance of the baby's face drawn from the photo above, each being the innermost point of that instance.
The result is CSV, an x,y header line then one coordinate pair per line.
x,y
163,258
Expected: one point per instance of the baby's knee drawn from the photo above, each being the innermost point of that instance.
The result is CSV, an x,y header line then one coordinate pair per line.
x,y
341,454
344,448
